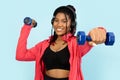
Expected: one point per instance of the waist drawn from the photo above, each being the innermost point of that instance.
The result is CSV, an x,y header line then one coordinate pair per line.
x,y
57,73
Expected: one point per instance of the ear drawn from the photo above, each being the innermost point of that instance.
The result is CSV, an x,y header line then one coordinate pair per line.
x,y
52,20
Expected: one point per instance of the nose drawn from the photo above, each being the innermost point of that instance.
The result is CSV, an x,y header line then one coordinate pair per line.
x,y
59,23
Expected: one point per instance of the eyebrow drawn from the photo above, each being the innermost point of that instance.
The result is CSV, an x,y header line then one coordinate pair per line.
x,y
62,19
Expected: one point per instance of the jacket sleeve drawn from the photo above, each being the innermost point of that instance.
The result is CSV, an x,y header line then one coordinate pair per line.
x,y
84,49
22,53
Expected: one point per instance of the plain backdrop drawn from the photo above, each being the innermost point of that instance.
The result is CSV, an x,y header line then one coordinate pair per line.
x,y
101,63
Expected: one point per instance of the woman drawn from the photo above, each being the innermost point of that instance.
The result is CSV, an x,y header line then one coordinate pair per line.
x,y
59,57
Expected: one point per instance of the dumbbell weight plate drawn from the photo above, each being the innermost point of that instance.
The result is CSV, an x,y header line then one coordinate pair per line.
x,y
81,37
110,38
28,20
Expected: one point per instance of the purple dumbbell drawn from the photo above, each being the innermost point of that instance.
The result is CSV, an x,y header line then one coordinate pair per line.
x,y
82,38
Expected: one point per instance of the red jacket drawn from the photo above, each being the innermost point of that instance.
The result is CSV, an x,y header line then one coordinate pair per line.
x,y
35,54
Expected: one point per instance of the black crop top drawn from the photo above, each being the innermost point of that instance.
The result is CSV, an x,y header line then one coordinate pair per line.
x,y
56,60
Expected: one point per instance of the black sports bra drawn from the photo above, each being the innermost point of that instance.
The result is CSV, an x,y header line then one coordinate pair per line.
x,y
56,60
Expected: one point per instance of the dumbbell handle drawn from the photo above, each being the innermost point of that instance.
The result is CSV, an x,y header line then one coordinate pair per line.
x,y
88,38
109,38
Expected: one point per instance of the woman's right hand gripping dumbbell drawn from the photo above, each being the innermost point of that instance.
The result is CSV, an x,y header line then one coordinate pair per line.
x,y
29,21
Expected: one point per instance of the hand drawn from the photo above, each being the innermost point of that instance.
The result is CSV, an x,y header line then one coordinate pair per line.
x,y
98,36
34,23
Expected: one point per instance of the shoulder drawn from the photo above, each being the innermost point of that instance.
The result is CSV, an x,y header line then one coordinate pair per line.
x,y
73,39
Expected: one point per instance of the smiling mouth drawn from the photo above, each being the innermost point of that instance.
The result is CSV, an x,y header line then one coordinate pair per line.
x,y
59,29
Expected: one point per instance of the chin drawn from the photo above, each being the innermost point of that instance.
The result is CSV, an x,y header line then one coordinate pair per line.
x,y
60,34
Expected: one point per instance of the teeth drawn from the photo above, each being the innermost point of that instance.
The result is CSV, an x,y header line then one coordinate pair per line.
x,y
59,29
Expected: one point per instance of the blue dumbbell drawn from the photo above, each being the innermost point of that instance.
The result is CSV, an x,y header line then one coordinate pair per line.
x,y
82,38
28,21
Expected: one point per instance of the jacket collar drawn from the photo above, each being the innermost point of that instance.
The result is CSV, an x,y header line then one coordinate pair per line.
x,y
67,37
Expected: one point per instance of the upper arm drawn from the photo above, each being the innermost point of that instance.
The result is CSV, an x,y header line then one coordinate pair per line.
x,y
24,54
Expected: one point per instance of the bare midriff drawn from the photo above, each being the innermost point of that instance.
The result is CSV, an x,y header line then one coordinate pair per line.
x,y
57,73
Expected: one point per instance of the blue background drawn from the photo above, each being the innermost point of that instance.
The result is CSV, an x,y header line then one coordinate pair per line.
x,y
101,63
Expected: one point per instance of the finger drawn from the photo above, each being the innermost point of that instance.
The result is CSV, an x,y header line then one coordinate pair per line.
x,y
92,35
91,43
102,36
95,35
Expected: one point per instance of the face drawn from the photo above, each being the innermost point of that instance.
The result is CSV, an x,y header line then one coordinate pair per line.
x,y
61,25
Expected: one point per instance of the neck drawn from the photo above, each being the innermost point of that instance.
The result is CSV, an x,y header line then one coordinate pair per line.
x,y
59,38
60,41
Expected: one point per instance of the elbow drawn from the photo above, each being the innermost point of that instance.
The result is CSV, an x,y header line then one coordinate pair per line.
x,y
18,58
20,55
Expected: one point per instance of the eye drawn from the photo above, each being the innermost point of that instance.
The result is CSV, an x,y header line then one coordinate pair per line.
x,y
64,21
55,20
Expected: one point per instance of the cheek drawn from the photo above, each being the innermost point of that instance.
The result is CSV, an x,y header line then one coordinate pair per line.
x,y
54,26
